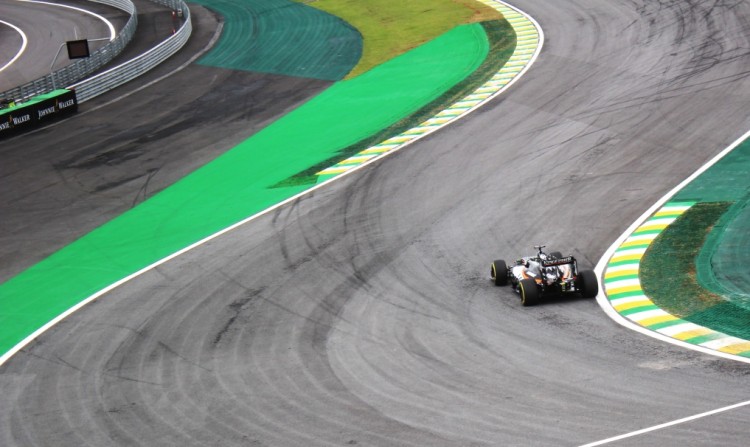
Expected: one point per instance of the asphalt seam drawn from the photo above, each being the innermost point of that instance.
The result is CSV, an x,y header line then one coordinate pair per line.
x,y
529,40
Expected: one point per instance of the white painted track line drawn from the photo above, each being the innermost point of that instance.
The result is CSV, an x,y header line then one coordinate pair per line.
x,y
24,43
666,425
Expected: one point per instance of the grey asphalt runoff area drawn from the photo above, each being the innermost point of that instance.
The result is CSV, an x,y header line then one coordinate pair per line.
x,y
362,314
63,181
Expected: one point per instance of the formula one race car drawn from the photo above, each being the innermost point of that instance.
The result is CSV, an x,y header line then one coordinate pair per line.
x,y
552,274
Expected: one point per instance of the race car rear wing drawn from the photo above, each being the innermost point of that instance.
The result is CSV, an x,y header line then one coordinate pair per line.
x,y
561,261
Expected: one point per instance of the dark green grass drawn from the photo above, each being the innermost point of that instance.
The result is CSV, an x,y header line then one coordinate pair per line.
x,y
668,274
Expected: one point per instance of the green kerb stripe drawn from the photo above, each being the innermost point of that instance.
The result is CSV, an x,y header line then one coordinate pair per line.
x,y
664,324
632,247
642,232
621,263
614,296
622,250
638,309
704,338
675,213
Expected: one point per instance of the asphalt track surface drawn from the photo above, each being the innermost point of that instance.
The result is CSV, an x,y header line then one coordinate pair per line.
x,y
363,314
65,180
44,41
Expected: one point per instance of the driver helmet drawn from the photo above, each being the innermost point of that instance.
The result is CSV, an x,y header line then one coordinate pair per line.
x,y
543,256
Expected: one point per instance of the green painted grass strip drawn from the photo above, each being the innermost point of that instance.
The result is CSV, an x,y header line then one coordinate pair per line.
x,y
283,37
726,317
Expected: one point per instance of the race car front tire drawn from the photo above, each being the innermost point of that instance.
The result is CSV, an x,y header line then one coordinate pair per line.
x,y
499,272
589,284
529,292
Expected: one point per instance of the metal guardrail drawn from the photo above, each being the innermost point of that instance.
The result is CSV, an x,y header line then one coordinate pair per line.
x,y
135,67
72,74
81,67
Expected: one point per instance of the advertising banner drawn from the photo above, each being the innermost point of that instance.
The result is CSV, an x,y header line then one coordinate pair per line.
x,y
17,118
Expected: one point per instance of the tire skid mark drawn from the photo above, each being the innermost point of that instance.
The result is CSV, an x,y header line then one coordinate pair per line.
x,y
529,35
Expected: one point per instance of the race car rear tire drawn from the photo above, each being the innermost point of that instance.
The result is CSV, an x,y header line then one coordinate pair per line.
x,y
499,272
589,284
556,255
529,292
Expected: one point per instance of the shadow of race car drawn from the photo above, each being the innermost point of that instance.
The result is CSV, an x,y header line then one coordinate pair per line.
x,y
545,275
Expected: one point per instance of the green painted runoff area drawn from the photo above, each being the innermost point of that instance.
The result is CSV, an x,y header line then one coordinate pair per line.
x,y
283,37
238,184
723,263
716,233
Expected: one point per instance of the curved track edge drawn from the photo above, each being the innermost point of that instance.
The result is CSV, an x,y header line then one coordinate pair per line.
x,y
523,57
623,300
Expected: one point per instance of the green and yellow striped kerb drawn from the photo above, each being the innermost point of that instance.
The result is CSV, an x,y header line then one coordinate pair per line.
x,y
527,45
623,289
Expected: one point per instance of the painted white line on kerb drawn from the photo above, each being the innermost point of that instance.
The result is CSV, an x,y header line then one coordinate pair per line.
x,y
604,302
5,357
667,424
112,32
24,42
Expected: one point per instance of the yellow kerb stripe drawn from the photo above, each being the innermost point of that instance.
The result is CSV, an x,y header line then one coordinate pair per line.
x,y
378,149
397,139
736,349
334,170
692,333
656,320
647,226
620,273
635,243
633,304
628,257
